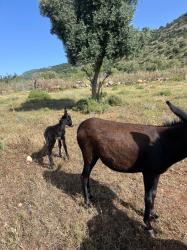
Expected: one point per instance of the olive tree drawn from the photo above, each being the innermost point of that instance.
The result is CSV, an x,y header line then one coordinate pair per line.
x,y
92,31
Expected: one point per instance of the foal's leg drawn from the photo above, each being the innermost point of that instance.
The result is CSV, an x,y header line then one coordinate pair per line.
x,y
60,146
85,180
150,184
65,147
50,145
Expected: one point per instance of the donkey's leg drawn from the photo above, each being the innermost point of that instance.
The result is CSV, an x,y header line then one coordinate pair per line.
x,y
59,147
88,166
88,183
150,182
153,215
65,147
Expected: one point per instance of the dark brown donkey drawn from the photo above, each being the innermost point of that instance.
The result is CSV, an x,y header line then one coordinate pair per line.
x,y
132,148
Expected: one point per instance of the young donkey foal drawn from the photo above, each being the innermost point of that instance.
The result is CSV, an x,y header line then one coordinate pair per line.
x,y
132,148
57,132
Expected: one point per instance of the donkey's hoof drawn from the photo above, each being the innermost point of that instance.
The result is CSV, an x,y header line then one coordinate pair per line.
x,y
88,205
67,158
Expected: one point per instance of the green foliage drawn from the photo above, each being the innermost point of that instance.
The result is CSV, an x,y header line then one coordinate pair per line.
x,y
166,92
47,75
1,146
37,99
38,95
58,71
178,77
114,100
90,105
92,31
128,66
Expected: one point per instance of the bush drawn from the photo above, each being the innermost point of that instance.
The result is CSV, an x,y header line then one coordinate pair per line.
x,y
1,146
151,66
165,93
128,66
114,100
178,78
38,95
37,99
91,106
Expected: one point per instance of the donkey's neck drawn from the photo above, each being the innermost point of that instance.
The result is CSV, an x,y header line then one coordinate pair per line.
x,y
174,142
62,124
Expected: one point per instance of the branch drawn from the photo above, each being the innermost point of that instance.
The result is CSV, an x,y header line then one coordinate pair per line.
x,y
107,74
89,75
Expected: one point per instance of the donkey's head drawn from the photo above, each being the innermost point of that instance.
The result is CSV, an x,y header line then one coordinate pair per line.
x,y
66,119
178,111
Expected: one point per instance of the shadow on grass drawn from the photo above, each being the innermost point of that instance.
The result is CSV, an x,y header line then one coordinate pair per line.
x,y
38,156
111,228
55,104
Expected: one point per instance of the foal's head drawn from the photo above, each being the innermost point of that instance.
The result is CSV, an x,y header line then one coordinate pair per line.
x,y
66,119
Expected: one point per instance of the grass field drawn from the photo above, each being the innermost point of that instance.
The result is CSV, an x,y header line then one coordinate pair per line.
x,y
43,209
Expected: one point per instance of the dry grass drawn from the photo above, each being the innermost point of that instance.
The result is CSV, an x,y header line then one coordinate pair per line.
x,y
43,209
56,84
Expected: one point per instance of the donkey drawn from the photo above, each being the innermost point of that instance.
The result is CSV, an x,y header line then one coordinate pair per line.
x,y
57,132
131,148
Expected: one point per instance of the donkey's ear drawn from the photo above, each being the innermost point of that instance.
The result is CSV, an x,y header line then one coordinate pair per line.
x,y
177,111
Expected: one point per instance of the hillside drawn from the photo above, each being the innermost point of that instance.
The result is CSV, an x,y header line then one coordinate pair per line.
x,y
170,41
158,49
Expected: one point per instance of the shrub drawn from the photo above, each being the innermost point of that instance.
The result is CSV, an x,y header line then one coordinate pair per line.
x,y
128,66
114,100
178,78
49,74
139,87
38,95
37,99
151,66
82,105
165,93
91,106
176,49
1,146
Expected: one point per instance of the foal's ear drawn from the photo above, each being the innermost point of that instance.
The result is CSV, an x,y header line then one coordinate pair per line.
x,y
65,111
177,111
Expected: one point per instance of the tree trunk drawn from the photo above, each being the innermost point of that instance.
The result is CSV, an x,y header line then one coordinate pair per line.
x,y
94,82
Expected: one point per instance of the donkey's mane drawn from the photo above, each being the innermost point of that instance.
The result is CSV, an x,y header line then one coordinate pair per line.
x,y
174,123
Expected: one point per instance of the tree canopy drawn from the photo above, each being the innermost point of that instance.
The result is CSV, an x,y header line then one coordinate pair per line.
x,y
91,30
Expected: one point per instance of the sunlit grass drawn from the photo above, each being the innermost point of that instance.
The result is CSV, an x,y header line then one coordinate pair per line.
x,y
42,209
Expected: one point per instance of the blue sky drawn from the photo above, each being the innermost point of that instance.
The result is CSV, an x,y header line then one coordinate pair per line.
x,y
26,42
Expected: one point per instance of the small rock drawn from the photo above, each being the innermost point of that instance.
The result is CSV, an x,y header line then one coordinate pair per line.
x,y
29,159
